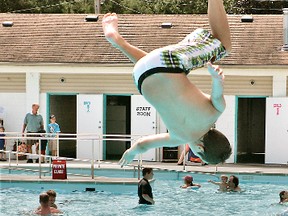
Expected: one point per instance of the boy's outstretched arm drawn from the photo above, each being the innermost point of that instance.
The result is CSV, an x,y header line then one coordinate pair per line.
x,y
110,29
213,182
148,142
217,97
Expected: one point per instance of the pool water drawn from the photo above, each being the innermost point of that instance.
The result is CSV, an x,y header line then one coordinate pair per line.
x,y
257,199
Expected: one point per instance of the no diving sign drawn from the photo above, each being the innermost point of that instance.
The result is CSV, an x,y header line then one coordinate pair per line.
x,y
59,169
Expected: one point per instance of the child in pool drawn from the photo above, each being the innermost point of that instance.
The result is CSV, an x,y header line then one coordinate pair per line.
x,y
283,197
52,198
45,209
188,182
223,184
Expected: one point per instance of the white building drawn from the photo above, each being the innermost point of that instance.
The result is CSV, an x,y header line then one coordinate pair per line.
x,y
66,65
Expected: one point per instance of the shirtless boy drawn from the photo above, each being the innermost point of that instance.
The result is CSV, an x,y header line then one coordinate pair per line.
x,y
160,76
188,182
283,197
45,208
223,184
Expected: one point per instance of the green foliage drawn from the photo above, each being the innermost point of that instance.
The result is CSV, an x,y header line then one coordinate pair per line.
x,y
260,7
141,6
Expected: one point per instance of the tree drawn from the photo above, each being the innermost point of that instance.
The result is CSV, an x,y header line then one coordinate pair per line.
x,y
260,6
8,5
193,6
141,6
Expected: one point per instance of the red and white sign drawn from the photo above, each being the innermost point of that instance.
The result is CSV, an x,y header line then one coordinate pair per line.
x,y
59,169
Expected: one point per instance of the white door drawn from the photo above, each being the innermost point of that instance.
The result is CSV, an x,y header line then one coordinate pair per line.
x,y
276,130
226,124
143,122
89,121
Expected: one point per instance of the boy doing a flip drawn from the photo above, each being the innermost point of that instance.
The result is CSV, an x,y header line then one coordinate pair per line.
x,y
161,77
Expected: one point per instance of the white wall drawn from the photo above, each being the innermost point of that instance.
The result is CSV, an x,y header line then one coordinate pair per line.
x,y
14,105
43,110
226,124
276,130
279,85
32,89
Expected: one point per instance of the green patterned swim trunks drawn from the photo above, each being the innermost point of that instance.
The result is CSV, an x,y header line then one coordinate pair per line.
x,y
194,51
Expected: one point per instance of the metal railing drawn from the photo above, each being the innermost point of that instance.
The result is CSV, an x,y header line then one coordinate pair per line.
x,y
95,139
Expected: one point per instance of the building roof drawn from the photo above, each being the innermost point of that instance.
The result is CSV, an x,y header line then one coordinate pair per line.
x,y
67,38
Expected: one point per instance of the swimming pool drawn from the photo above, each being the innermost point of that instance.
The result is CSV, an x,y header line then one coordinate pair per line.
x,y
259,198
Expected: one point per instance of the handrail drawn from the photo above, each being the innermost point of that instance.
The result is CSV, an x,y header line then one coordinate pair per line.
x,y
48,136
92,137
77,134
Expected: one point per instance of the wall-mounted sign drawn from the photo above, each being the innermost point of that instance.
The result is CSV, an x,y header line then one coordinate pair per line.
x,y
143,111
87,105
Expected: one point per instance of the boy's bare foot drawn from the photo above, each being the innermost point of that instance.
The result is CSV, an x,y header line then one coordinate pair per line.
x,y
110,28
215,71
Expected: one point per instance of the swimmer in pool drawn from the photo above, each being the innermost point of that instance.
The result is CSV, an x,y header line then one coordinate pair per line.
x,y
188,182
223,184
52,198
161,77
233,184
283,197
45,208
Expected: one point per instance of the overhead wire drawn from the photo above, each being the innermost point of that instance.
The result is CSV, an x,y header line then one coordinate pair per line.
x,y
126,7
43,6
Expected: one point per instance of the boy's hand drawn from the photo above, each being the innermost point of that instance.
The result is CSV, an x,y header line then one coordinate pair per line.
x,y
215,71
126,158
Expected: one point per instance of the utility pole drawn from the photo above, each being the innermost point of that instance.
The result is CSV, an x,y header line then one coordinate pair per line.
x,y
97,6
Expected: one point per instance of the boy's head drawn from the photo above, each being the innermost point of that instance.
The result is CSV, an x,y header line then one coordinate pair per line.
x,y
234,179
44,199
147,173
215,147
188,179
283,195
52,196
224,178
2,129
52,118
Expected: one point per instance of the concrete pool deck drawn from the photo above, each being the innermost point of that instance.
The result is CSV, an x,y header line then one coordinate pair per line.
x,y
190,167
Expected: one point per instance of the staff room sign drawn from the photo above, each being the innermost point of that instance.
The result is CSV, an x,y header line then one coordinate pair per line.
x,y
143,111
